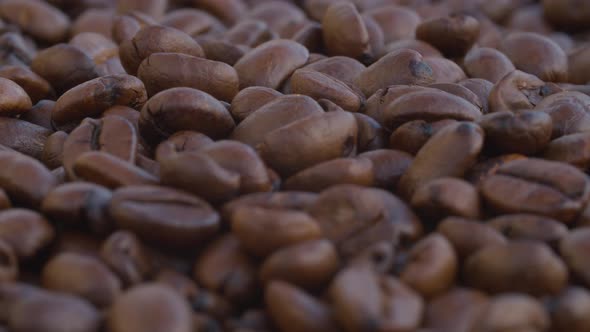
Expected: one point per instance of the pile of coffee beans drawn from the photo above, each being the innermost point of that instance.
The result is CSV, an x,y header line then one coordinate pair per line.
x,y
294,166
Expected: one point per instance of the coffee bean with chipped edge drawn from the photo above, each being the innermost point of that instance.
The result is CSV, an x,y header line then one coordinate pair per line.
x,y
457,310
487,63
517,266
125,255
223,267
451,152
179,109
453,35
164,216
271,63
537,186
92,98
26,231
37,18
468,236
34,85
529,227
251,99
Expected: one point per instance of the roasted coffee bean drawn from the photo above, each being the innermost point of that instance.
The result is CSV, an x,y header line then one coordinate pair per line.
x,y
40,114
354,43
126,26
413,44
83,276
568,110
397,23
459,91
26,231
34,85
9,264
177,219
487,63
434,200
457,310
92,98
196,23
573,149
529,227
321,86
37,18
388,166
517,91
150,307
468,236
412,135
25,180
222,51
514,311
547,188
482,89
250,100
15,100
573,248
519,266
285,200
94,20
125,255
23,136
180,109
569,310
445,70
181,142
453,35
153,8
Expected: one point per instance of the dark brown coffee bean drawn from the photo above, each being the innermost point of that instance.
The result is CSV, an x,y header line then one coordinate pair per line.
x,y
113,135
251,99
333,172
314,139
377,103
569,112
153,8
180,109
260,67
250,225
161,71
222,51
223,267
181,142
388,166
164,216
487,63
272,115
37,18
374,215
26,231
15,100
457,310
79,204
453,35
514,312
354,43
574,248
573,149
24,137
537,186
102,50
125,255
25,180
9,264
150,307
445,197
526,132
364,300
34,85
40,114
429,105
93,97
16,49
569,311
408,67
284,200
412,135
520,266
397,23
83,276
64,67
529,227
371,135
321,86
54,311
451,152
294,310
468,236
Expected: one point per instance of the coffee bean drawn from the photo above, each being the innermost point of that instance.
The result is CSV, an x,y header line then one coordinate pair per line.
x,y
321,86
181,142
251,99
514,311
573,149
125,255
468,236
458,310
286,200
444,70
568,111
39,19
412,135
487,63
126,26
153,8
26,231
530,227
453,35
397,23
34,85
195,23
516,91
9,269
333,172
569,310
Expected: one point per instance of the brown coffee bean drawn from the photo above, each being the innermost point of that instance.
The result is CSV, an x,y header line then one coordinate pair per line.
x,y
372,215
79,204
429,105
409,68
25,180
278,228
251,99
249,32
529,227
15,100
64,67
419,46
489,167
412,135
459,91
364,300
153,8
519,266
16,49
181,283
9,265
388,166
126,26
537,186
453,35
194,22
573,149
102,50
536,55
40,114
445,197
113,135
321,86
92,98
161,71
180,142
37,18
180,109
284,200
309,34
310,265
568,110
125,255
314,139
431,266
95,20
54,311
573,248
487,63
371,135
482,89
222,51
451,152
578,65
526,132
303,312
377,103
83,276
201,175
229,11
107,170
342,68
468,236
569,311
223,267
514,312
272,115
26,231
22,136
150,307
456,310
333,172
292,55
354,43
397,23
34,85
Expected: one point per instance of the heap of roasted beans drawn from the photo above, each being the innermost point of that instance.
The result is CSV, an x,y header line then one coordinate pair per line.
x,y
294,166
